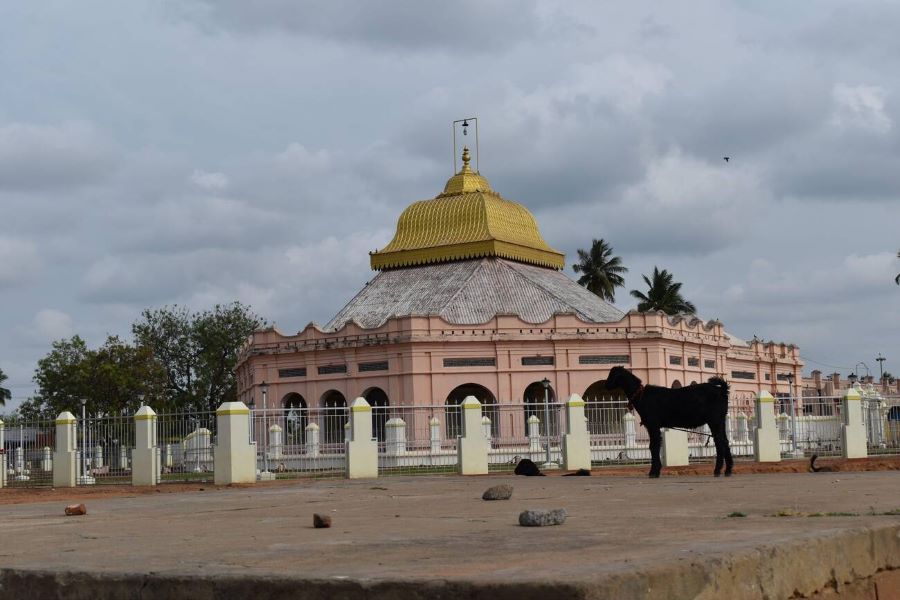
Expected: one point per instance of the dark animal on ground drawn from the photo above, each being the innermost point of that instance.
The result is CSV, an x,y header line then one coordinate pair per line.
x,y
526,466
579,473
687,407
814,469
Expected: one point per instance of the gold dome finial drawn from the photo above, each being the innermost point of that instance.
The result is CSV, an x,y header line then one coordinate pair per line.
x,y
465,159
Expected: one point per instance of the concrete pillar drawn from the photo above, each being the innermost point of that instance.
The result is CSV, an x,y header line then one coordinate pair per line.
x,y
784,427
65,469
534,435
486,428
435,426
395,436
276,442
2,454
766,439
46,459
674,448
853,431
168,457
743,430
630,430
123,457
312,440
472,446
234,455
145,463
362,449
98,456
348,435
576,446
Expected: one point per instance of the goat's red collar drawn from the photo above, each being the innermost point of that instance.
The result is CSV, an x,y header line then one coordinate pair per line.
x,y
635,396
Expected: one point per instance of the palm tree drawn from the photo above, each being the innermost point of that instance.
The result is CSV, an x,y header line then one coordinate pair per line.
x,y
664,294
601,271
4,393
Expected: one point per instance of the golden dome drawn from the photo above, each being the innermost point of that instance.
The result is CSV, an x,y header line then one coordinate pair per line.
x,y
468,220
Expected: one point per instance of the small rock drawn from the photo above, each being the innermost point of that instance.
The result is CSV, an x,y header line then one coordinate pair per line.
x,y
321,521
498,492
76,509
542,518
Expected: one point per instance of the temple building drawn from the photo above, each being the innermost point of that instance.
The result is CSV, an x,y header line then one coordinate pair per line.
x,y
469,299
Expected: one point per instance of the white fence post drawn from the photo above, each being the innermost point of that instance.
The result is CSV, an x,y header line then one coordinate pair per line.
x,y
46,459
276,442
576,448
534,435
2,455
395,436
123,457
743,431
362,450
435,426
486,428
767,441
145,463
65,470
853,431
472,447
312,440
630,430
234,455
675,448
98,456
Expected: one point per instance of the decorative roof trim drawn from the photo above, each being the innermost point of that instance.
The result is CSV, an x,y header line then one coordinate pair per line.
x,y
422,256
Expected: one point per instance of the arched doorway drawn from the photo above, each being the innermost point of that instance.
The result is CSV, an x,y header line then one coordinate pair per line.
x,y
334,416
453,414
296,418
378,400
534,405
676,384
604,408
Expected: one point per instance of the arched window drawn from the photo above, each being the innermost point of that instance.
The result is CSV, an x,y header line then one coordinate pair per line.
x,y
378,400
534,405
604,408
453,414
334,416
676,384
296,418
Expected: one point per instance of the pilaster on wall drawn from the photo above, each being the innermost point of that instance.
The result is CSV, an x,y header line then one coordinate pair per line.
x,y
472,448
853,431
766,441
674,448
65,470
234,455
362,450
145,456
576,442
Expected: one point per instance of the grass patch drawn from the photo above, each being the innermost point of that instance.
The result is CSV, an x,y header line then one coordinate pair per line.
x,y
737,514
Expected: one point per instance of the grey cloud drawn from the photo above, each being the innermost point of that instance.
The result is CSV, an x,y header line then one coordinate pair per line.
x,y
35,157
457,27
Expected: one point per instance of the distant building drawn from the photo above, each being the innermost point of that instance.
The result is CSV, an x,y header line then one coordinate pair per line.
x,y
469,299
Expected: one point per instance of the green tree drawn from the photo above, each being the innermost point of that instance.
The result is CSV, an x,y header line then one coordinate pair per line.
x,y
111,379
663,294
601,272
197,351
5,394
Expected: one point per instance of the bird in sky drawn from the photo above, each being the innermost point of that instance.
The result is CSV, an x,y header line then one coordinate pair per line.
x,y
727,158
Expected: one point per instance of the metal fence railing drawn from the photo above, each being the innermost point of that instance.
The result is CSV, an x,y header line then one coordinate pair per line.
x,y
185,445
26,454
300,442
881,415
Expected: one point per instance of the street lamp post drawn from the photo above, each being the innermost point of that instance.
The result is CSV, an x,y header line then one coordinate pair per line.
x,y
264,388
794,451
880,360
546,383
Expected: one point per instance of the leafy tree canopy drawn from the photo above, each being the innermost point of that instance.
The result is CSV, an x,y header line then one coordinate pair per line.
x,y
601,272
5,394
663,294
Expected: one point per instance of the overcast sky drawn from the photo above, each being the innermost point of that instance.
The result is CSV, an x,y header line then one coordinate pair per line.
x,y
202,151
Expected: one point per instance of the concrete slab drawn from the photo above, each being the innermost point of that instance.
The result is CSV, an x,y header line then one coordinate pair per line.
x,y
408,536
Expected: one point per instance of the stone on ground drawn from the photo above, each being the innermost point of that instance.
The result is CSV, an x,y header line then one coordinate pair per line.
x,y
321,521
542,518
76,509
498,492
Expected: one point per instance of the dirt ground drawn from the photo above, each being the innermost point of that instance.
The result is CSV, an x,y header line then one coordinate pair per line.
x,y
35,495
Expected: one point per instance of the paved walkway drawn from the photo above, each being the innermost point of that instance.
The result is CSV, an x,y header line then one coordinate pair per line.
x,y
436,531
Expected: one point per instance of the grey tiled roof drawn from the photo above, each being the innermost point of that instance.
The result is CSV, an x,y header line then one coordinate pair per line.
x,y
471,292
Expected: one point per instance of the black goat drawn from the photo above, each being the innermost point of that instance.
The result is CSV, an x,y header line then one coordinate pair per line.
x,y
689,407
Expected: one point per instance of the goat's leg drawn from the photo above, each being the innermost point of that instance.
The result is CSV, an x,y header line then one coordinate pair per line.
x,y
655,443
723,450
